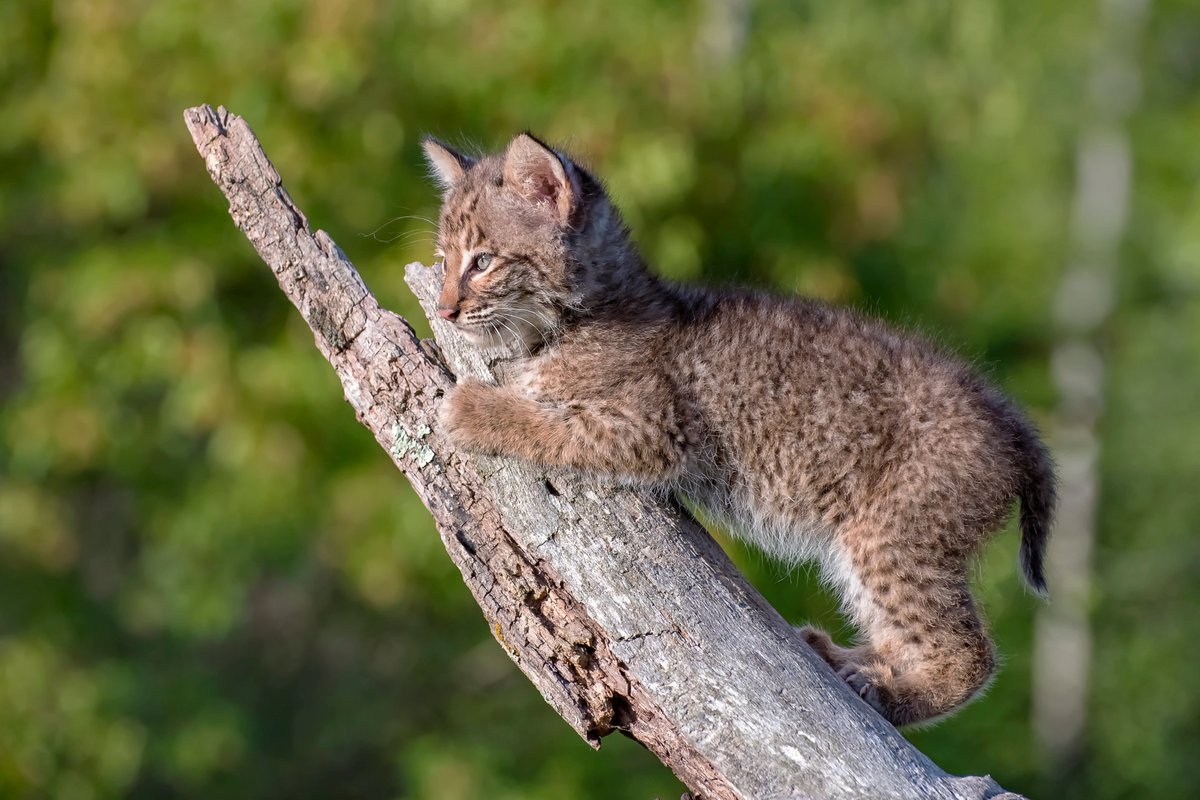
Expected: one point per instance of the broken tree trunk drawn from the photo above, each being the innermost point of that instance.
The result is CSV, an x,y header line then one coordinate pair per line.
x,y
616,604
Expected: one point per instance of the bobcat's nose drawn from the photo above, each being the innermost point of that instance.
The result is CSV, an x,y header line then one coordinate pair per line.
x,y
448,314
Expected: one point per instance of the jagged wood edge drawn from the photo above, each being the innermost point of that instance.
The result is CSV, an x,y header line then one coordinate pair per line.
x,y
616,605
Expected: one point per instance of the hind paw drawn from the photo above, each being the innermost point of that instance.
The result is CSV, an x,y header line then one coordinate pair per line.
x,y
820,641
863,683
816,638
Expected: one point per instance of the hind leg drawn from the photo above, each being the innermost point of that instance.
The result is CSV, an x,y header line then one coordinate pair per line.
x,y
926,652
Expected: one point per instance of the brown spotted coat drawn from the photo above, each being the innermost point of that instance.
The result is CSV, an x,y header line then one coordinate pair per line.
x,y
810,430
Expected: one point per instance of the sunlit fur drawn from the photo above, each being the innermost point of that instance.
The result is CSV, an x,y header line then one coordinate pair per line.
x,y
812,431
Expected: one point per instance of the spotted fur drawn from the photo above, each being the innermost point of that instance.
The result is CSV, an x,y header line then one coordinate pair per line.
x,y
812,431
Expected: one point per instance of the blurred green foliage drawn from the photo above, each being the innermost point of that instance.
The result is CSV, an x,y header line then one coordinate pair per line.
x,y
213,583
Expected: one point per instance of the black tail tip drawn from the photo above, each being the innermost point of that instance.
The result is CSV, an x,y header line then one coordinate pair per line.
x,y
1031,566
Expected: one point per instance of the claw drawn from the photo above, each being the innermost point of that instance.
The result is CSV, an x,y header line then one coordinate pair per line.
x,y
862,685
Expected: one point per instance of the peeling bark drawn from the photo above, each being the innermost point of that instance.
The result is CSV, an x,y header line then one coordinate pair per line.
x,y
616,604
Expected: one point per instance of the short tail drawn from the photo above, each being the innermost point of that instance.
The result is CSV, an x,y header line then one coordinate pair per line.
x,y
1037,493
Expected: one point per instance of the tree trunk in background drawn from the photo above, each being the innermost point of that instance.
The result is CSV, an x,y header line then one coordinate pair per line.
x,y
1100,210
614,603
722,34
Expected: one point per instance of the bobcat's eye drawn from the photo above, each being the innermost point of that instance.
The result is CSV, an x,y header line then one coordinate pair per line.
x,y
481,262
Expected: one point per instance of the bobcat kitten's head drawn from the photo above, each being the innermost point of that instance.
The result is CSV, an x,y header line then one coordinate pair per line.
x,y
526,236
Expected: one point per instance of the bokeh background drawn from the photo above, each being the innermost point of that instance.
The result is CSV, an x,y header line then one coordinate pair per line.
x,y
214,584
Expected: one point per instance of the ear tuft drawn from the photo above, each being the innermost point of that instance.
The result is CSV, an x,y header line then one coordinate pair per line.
x,y
542,176
446,165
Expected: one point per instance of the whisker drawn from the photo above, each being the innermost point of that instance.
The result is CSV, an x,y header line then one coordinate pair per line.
x,y
493,331
541,334
514,314
409,237
375,233
510,324
538,316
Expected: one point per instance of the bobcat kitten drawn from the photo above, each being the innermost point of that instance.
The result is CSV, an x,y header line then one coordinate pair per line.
x,y
813,432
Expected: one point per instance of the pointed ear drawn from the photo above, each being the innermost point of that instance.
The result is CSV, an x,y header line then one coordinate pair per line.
x,y
445,164
542,176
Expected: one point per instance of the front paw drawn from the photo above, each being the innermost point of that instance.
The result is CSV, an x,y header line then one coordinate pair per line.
x,y
466,415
